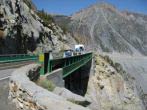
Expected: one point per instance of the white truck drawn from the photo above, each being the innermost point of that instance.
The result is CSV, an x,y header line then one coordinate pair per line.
x,y
79,49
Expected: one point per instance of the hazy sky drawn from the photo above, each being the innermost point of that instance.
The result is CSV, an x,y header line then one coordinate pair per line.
x,y
67,7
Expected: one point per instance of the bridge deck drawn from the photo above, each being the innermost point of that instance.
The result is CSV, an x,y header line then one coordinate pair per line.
x,y
69,64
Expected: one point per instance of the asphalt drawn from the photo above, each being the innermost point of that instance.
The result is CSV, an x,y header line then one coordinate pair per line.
x,y
5,103
5,72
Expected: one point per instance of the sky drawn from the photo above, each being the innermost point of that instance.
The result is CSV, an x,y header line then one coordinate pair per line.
x,y
68,7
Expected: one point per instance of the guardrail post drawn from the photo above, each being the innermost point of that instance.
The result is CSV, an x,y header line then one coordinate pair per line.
x,y
41,61
49,62
46,59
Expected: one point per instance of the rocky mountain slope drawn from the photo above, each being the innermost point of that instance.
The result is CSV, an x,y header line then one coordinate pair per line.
x,y
23,31
136,67
103,28
111,88
62,21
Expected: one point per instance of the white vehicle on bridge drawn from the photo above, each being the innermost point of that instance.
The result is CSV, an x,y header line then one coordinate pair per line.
x,y
68,53
79,49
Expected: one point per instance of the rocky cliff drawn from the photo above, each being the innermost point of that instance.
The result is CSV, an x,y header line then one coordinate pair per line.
x,y
103,28
111,88
23,31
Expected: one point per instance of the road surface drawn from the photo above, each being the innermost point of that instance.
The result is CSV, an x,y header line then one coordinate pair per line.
x,y
5,72
5,104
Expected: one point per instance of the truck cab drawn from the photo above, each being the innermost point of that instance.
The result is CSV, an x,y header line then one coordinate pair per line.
x,y
79,49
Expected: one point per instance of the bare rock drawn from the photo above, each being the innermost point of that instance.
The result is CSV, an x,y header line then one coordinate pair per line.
x,y
70,96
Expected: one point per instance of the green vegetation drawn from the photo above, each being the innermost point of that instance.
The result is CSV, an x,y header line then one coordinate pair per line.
x,y
48,19
118,67
96,60
64,28
46,84
108,59
84,104
28,4
73,101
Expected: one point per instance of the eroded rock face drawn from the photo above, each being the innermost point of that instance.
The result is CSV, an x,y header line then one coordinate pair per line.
x,y
136,67
109,90
103,28
22,31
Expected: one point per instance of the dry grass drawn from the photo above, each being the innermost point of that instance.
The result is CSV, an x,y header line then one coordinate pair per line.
x,y
46,84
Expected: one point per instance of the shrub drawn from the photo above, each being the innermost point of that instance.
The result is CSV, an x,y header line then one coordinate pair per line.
x,y
47,19
109,60
84,104
28,4
46,84
64,28
96,61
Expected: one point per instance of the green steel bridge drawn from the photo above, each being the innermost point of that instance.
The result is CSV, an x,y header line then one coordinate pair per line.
x,y
69,64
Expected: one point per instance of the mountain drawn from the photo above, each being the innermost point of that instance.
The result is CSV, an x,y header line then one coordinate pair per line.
x,y
62,20
105,29
101,27
23,29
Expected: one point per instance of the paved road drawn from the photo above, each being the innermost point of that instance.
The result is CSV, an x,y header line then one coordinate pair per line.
x,y
4,74
6,104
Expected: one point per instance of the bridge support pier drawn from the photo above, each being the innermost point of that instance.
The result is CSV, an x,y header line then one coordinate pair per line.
x,y
77,82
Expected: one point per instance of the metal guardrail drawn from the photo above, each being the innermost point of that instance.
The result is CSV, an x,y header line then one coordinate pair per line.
x,y
76,65
17,58
69,64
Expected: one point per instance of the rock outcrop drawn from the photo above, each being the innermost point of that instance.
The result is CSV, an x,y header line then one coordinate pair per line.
x,y
136,67
23,31
111,88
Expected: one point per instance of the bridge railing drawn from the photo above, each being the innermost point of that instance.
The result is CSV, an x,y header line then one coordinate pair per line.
x,y
17,58
76,65
68,64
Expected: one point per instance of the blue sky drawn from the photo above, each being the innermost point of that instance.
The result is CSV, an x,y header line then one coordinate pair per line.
x,y
68,7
